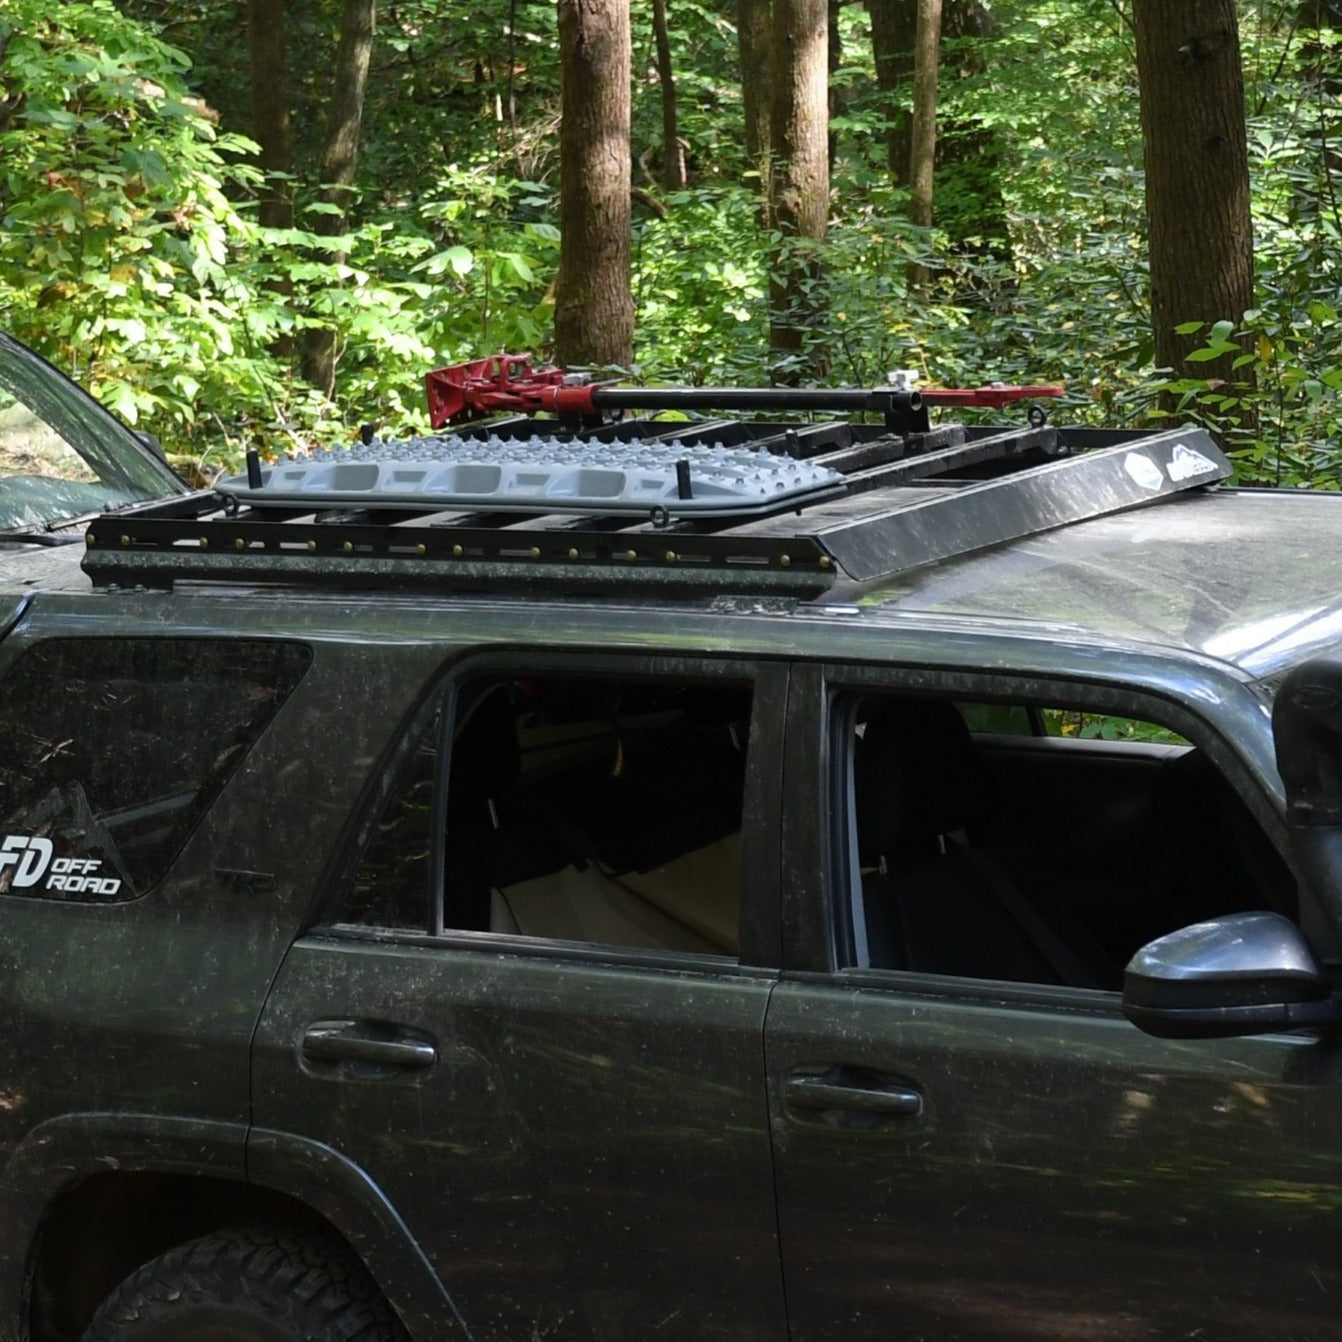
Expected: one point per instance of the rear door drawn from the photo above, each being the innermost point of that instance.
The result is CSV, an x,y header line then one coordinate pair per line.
x,y
969,1145
533,1006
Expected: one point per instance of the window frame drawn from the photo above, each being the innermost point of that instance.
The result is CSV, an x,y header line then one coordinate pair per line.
x,y
819,915
758,880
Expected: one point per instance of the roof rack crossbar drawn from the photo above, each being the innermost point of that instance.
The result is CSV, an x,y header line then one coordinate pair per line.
x,y
958,457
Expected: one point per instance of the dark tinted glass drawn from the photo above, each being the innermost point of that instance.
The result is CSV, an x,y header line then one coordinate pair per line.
x,y
111,750
391,886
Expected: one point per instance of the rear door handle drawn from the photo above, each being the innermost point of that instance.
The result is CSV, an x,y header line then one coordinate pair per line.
x,y
835,1091
366,1042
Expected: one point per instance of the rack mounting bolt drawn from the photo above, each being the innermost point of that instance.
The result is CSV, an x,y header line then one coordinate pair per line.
x,y
125,541
421,549
573,553
348,547
535,551
204,542
785,561
670,556
631,555
239,544
312,545
824,561
457,552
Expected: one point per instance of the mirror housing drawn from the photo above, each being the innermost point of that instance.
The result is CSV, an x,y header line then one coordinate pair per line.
x,y
1246,973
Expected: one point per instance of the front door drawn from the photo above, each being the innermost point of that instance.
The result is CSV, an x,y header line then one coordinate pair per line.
x,y
972,1143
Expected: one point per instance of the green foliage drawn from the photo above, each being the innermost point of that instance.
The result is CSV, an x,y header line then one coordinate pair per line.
x,y
1280,415
1103,727
130,252
114,196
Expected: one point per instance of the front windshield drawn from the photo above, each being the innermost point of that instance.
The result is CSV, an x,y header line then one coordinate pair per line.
x,y
62,455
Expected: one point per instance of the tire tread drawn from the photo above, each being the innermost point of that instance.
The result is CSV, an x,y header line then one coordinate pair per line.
x,y
312,1287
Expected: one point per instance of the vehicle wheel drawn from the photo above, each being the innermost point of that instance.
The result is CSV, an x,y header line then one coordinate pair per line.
x,y
247,1285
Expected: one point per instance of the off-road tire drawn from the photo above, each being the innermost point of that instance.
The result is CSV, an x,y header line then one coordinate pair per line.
x,y
248,1285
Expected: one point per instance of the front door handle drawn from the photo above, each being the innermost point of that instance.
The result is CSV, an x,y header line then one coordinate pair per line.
x,y
366,1042
837,1089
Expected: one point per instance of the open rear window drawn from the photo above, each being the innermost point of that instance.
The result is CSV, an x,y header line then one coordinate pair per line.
x,y
592,810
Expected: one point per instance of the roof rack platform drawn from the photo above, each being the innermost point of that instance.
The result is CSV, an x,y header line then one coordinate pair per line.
x,y
657,512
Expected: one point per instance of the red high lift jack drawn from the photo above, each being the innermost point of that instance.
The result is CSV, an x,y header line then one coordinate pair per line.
x,y
506,383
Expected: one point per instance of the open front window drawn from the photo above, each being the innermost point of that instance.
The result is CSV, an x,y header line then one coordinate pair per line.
x,y
1031,844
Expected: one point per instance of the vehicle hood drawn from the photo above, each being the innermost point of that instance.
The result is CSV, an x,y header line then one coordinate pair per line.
x,y
25,569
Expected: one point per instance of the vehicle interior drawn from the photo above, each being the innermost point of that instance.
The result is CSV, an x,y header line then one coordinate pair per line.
x,y
985,841
1037,853
598,811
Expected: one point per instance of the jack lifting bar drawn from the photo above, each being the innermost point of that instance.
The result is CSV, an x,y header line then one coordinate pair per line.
x,y
508,382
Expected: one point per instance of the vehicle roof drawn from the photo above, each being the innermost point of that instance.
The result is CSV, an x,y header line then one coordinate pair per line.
x,y
1252,578
1249,577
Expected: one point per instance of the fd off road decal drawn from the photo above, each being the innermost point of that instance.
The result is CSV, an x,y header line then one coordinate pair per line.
x,y
28,862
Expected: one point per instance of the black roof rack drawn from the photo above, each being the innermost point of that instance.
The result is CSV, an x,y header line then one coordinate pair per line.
x,y
670,507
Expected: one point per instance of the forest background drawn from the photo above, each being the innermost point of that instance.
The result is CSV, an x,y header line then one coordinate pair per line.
x,y
146,249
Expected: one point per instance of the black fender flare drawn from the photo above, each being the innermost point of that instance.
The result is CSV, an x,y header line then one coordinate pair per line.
x,y
61,1152
345,1195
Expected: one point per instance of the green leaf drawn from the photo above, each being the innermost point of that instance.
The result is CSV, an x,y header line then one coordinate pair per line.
x,y
120,399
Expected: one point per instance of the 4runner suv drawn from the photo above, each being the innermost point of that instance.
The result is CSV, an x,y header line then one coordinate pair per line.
x,y
856,881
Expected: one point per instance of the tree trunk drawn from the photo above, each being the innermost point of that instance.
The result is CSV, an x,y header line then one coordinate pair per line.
x,y
970,155
923,139
754,30
594,307
894,27
673,152
800,157
1197,177
270,109
339,160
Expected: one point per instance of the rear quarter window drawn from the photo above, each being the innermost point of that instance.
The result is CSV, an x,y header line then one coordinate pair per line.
x,y
112,749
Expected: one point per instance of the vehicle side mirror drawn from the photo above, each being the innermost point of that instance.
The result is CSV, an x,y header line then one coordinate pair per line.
x,y
1247,973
